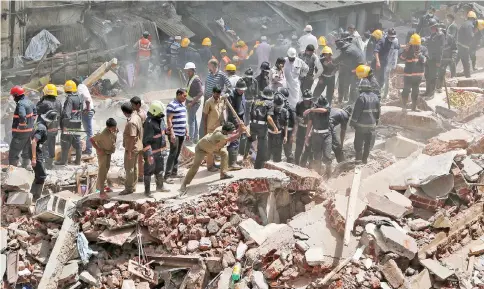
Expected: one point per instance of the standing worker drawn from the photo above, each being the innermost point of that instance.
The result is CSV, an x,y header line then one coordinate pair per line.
x,y
236,98
87,113
294,70
213,117
290,125
449,57
307,38
22,125
261,114
71,123
263,51
213,143
318,137
39,137
370,47
386,54
276,74
464,39
435,45
154,142
224,59
365,118
133,146
327,79
205,54
313,63
105,145
365,72
415,56
476,42
251,94
144,54
349,58
423,27
300,129
231,71
277,140
50,102
194,94
263,79
136,103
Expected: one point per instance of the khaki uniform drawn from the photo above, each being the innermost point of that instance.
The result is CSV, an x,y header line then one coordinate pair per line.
x,y
212,143
142,114
133,128
215,118
106,141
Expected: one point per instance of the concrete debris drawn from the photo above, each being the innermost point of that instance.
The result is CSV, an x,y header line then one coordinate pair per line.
x,y
385,206
257,280
401,146
442,221
434,267
454,139
397,242
423,121
301,179
252,231
17,179
86,277
69,273
418,224
477,250
316,256
421,281
393,274
20,199
224,280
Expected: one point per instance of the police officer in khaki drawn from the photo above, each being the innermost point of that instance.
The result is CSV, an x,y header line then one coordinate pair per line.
x,y
213,143
105,145
133,146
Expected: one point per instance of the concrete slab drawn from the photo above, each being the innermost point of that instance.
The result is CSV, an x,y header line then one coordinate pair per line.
x,y
385,207
17,179
393,274
421,281
400,199
302,179
437,269
401,146
422,121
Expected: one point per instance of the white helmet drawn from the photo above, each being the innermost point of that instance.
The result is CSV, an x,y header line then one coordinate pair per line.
x,y
291,52
190,65
308,28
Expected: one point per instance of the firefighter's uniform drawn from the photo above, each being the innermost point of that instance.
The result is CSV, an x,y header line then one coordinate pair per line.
x,y
435,45
321,138
260,111
22,127
465,36
276,140
449,57
40,135
301,158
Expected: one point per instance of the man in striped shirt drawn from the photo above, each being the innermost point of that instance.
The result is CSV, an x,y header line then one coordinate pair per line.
x,y
177,130
216,77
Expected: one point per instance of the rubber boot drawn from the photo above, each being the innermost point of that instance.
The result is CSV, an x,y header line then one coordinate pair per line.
x,y
49,164
233,166
77,162
159,184
147,182
36,191
63,159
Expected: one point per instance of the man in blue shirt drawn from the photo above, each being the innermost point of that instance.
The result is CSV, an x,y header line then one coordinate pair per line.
x,y
386,53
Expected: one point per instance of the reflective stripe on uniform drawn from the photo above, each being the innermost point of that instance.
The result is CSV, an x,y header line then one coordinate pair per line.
x,y
460,44
27,116
327,75
21,130
270,131
320,130
414,74
259,122
370,110
158,135
412,60
289,128
365,125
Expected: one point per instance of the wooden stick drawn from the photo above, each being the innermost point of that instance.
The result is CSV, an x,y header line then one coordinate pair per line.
x,y
471,89
336,270
38,65
236,116
350,211
446,93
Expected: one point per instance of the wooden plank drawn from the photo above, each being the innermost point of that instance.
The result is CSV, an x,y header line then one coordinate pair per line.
x,y
350,212
476,250
470,265
89,62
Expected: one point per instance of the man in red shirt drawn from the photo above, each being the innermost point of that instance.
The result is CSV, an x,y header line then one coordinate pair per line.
x,y
144,53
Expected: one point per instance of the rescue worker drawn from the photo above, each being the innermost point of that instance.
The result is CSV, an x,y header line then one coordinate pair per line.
x,y
263,51
241,50
318,137
327,79
464,39
315,68
213,117
194,94
154,142
50,102
370,47
261,113
435,45
275,141
71,123
386,54
205,55
251,93
104,143
213,143
188,53
300,129
284,93
39,137
415,56
356,37
294,70
144,54
307,39
22,124
349,58
423,27
365,118
321,43
236,98
476,42
276,74
364,71
231,71
136,103
224,59
133,146
449,57
451,26
263,79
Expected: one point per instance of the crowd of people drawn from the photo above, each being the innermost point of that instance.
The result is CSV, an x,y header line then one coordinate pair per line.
x,y
289,102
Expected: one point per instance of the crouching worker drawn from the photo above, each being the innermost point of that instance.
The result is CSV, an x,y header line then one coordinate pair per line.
x,y
105,145
39,137
154,142
213,143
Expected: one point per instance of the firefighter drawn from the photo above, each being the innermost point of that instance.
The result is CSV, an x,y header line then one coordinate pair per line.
x,y
464,39
435,45
263,79
318,136
322,43
386,54
312,61
424,24
415,56
236,98
71,124
365,117
22,124
300,128
144,53
154,142
277,140
251,94
290,125
261,114
50,102
476,42
327,80
224,59
370,47
348,60
231,71
205,55
364,71
39,137
449,57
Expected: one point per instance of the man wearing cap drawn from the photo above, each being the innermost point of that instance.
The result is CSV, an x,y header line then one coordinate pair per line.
x,y
194,95
349,58
300,127
423,27
236,98
263,51
307,38
386,53
294,69
312,61
327,79
174,51
263,79
435,45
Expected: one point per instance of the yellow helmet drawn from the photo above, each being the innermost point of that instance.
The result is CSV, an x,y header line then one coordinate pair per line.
x,y
157,108
185,41
70,86
322,41
240,43
480,24
207,42
378,34
362,71
327,50
471,14
415,39
223,51
51,89
230,67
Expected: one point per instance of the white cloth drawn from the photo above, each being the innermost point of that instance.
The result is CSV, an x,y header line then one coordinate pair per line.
x,y
277,78
307,39
233,79
263,52
83,92
293,71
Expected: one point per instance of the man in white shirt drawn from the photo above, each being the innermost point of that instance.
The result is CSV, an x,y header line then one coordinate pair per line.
x,y
294,69
87,113
308,38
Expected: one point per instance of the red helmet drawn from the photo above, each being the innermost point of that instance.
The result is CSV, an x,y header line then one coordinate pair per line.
x,y
17,91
